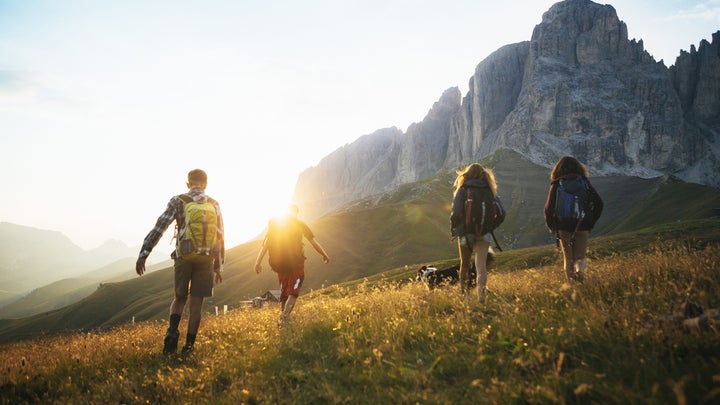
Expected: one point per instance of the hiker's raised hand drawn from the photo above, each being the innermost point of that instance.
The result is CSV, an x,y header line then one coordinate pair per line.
x,y
326,259
140,266
258,268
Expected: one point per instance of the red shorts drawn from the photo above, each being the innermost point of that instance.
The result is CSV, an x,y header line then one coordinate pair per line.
x,y
290,283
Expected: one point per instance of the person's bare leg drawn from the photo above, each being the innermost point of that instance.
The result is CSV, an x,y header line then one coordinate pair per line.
x,y
464,272
195,314
579,252
289,305
287,308
178,305
481,250
567,251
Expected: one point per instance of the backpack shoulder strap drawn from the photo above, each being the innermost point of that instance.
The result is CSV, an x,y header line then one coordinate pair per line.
x,y
180,216
497,244
468,207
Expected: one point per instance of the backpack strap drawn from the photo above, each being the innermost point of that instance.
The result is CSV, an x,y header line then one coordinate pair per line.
x,y
497,245
185,198
468,209
577,226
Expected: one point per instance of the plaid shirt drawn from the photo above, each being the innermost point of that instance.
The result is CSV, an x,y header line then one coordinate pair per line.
x,y
175,212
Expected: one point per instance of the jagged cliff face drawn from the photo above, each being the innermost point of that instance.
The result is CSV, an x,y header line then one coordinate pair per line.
x,y
365,167
696,79
493,94
588,91
425,144
578,87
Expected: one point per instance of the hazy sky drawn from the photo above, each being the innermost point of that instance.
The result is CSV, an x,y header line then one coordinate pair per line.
x,y
106,105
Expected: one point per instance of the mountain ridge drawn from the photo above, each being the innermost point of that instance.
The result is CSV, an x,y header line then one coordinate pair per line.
x,y
578,87
25,250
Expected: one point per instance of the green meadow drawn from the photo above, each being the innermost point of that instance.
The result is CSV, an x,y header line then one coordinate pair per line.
x,y
617,338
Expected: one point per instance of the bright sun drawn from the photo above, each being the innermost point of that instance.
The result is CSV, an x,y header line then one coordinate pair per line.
x,y
246,213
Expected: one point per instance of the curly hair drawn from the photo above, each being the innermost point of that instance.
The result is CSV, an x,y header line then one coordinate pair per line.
x,y
475,171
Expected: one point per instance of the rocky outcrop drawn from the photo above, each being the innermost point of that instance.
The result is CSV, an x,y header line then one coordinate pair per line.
x,y
425,145
578,87
379,162
493,94
590,92
696,78
365,167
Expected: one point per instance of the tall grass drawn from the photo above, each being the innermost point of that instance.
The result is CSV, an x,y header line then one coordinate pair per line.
x,y
537,339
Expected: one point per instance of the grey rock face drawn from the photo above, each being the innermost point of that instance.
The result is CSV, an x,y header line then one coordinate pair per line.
x,y
365,167
493,94
425,144
579,87
696,78
590,92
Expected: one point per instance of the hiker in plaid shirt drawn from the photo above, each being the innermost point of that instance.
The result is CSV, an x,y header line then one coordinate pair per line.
x,y
193,278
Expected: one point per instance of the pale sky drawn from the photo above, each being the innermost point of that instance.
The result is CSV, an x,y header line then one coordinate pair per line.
x,y
106,105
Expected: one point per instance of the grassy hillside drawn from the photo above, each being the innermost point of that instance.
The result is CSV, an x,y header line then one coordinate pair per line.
x,y
671,201
407,227
386,339
68,291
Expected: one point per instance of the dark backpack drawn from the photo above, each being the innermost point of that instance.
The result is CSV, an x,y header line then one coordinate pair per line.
x,y
285,246
571,202
483,212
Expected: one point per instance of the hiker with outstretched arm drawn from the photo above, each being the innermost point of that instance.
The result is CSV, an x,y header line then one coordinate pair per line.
x,y
572,208
198,257
284,243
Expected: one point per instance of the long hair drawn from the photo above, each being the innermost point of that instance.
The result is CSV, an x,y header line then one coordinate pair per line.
x,y
475,171
568,165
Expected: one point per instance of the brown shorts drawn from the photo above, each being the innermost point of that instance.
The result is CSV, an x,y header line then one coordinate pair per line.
x,y
193,278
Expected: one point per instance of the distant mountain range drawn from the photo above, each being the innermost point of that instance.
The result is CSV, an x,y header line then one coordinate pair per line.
x,y
578,87
31,258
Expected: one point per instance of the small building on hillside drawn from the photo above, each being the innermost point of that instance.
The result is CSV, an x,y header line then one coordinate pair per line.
x,y
269,296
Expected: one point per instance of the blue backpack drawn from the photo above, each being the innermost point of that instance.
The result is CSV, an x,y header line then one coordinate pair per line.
x,y
571,202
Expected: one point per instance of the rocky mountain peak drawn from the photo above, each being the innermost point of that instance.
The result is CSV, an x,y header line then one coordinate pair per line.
x,y
578,87
581,32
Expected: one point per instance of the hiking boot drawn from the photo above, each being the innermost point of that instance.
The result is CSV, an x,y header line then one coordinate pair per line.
x,y
171,341
186,350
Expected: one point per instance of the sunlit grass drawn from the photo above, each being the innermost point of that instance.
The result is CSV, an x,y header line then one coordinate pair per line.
x,y
536,339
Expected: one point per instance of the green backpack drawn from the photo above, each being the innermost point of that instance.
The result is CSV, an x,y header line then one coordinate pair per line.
x,y
197,237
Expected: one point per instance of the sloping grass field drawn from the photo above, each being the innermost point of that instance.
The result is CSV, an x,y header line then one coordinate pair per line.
x,y
617,338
